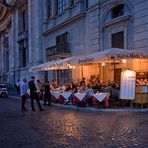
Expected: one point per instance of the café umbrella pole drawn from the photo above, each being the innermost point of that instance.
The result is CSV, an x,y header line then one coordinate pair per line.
x,y
114,69
82,71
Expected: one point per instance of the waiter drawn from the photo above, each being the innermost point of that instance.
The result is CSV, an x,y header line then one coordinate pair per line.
x,y
34,94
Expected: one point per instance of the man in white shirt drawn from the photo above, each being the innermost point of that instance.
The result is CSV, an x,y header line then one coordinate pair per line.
x,y
23,93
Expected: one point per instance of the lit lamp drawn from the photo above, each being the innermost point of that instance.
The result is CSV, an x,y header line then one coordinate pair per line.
x,y
124,61
70,66
103,64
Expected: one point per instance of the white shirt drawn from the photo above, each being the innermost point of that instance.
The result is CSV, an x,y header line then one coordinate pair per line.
x,y
23,88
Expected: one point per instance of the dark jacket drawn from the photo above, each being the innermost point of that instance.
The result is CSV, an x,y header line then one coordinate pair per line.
x,y
32,86
47,88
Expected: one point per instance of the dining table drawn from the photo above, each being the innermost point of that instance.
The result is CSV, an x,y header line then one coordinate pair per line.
x,y
80,96
101,97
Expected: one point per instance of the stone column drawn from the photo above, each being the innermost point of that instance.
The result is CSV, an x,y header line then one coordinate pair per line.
x,y
45,10
30,32
38,31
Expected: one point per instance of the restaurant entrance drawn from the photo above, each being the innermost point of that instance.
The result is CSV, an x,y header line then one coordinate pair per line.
x,y
117,76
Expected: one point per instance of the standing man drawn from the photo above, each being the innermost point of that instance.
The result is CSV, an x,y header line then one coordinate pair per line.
x,y
34,94
47,95
23,93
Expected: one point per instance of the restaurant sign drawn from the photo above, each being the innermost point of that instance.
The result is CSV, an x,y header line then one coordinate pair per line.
x,y
85,60
128,83
127,56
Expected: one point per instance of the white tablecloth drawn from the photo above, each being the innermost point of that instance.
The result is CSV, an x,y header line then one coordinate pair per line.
x,y
100,96
56,94
80,96
66,95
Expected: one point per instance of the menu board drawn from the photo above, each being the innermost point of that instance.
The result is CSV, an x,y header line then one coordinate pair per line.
x,y
127,86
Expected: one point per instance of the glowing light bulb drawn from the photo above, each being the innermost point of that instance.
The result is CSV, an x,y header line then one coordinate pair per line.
x,y
103,64
124,61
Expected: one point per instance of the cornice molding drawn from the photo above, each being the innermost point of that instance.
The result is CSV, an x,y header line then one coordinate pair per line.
x,y
75,18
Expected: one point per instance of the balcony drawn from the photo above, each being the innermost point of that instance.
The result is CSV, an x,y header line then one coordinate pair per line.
x,y
23,35
62,51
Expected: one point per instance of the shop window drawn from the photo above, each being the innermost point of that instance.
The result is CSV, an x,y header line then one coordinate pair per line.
x,y
65,76
117,11
49,8
117,40
61,6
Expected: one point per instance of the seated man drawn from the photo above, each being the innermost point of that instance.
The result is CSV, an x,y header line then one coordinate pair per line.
x,y
89,95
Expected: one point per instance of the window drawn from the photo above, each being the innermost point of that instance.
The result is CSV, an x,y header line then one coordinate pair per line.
x,y
118,40
72,2
117,11
49,8
61,39
23,20
23,55
61,6
86,4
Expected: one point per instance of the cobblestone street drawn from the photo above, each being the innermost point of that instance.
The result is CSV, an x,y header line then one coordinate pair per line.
x,y
61,128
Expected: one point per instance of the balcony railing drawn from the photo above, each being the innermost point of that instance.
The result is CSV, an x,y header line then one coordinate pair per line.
x,y
58,49
23,35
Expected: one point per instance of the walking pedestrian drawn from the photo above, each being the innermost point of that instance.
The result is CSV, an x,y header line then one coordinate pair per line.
x,y
47,95
17,85
34,94
23,93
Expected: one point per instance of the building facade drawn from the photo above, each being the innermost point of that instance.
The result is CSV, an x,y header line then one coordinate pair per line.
x,y
40,31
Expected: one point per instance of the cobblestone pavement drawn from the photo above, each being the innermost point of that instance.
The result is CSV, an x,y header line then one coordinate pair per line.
x,y
61,128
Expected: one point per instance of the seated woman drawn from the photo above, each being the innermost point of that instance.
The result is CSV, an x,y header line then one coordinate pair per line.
x,y
74,90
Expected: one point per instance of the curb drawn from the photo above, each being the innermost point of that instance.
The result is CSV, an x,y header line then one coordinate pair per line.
x,y
89,109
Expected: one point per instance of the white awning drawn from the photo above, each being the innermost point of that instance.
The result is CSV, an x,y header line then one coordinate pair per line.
x,y
105,55
144,52
109,54
52,65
